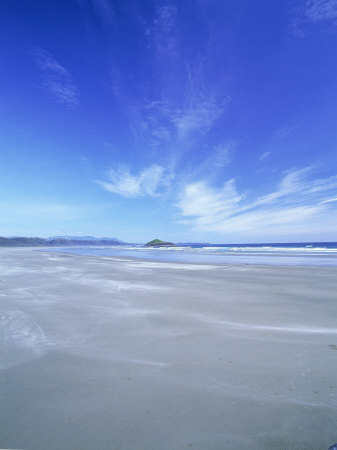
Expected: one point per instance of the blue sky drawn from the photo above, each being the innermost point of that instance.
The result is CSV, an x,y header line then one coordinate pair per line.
x,y
197,120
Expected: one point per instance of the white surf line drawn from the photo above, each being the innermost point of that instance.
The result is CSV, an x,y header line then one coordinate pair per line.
x,y
118,285
141,362
169,265
250,327
112,258
146,362
258,395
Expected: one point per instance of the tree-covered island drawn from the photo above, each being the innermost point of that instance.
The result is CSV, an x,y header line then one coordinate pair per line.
x,y
159,243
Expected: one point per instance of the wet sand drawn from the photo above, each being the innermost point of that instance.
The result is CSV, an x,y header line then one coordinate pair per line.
x,y
117,353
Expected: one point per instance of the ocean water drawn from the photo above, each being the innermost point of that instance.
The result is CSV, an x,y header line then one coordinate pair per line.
x,y
297,254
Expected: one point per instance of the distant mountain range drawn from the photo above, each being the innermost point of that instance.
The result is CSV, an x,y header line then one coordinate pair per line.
x,y
86,238
57,241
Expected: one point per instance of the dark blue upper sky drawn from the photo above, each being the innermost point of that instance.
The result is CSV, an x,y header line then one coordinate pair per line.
x,y
209,120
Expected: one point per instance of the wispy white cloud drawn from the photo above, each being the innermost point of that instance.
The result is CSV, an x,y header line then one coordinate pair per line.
x,y
284,132
224,153
208,205
181,120
219,156
264,156
173,124
317,10
330,200
298,200
196,118
160,31
309,13
151,181
182,105
201,106
56,80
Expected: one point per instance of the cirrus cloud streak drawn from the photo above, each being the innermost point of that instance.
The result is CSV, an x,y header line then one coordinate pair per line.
x,y
151,181
56,80
298,203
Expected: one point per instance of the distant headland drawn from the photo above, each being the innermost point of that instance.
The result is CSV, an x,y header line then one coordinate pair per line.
x,y
57,241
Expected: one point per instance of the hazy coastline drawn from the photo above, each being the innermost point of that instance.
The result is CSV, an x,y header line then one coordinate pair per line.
x,y
123,353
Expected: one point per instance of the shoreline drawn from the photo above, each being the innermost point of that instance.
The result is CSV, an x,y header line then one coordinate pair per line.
x,y
316,260
250,258
118,258
120,352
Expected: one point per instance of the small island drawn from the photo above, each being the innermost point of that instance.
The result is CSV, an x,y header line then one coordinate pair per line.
x,y
159,243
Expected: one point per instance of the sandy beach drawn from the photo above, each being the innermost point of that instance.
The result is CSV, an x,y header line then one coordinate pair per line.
x,y
126,354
